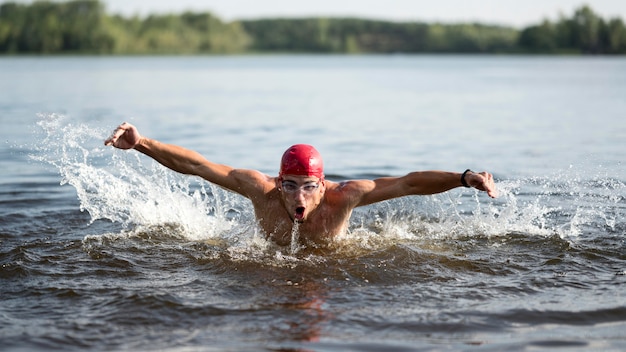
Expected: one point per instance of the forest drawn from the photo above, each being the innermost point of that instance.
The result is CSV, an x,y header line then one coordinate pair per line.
x,y
84,27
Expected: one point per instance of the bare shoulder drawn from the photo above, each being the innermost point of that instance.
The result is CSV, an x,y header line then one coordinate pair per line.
x,y
252,182
350,191
350,186
253,176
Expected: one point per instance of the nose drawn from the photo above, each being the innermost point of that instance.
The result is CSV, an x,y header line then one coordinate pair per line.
x,y
300,195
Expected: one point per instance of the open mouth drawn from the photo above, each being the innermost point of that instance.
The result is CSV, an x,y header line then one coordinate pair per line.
x,y
299,214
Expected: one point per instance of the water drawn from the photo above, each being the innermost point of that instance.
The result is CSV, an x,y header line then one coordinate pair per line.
x,y
101,249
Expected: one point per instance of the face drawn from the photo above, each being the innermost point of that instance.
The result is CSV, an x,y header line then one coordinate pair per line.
x,y
301,195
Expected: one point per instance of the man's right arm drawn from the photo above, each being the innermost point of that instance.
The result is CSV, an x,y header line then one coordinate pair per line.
x,y
186,161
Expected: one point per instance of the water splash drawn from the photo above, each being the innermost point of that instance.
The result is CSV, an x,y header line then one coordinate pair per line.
x,y
123,187
128,188
564,205
295,237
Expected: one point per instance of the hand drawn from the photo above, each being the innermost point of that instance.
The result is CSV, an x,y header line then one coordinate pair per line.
x,y
482,181
125,136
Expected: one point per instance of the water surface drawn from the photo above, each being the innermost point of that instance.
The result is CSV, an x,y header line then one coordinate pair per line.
x,y
102,249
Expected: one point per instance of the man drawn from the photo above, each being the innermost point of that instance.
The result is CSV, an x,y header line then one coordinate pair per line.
x,y
299,196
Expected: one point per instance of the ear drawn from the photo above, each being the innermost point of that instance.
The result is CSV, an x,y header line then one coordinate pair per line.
x,y
277,182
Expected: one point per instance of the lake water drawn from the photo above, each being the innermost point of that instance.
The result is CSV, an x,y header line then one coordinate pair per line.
x,y
102,249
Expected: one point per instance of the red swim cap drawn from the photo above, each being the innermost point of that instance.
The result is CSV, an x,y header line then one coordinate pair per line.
x,y
302,160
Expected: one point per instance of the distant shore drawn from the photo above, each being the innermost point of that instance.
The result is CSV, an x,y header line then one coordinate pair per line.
x,y
84,27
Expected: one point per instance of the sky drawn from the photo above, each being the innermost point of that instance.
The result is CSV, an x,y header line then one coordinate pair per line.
x,y
516,13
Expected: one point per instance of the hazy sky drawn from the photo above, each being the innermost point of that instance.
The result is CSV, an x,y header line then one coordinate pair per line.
x,y
509,12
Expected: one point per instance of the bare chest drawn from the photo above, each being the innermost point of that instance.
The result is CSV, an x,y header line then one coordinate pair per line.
x,y
321,226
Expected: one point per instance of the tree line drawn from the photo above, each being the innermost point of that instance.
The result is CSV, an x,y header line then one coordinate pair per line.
x,y
84,27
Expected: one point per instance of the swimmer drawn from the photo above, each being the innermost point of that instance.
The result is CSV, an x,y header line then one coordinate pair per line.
x,y
299,195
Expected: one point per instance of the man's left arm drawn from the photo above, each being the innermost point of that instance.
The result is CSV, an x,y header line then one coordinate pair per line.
x,y
421,183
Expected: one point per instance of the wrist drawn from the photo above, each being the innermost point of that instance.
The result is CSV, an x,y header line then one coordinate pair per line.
x,y
463,180
142,143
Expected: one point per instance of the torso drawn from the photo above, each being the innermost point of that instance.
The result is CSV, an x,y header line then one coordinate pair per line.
x,y
328,220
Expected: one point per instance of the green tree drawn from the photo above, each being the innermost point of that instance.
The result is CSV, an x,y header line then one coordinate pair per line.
x,y
83,26
616,36
587,28
541,38
49,27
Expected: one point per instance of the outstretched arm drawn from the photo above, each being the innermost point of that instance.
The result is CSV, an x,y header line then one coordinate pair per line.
x,y
420,183
187,161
